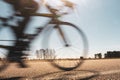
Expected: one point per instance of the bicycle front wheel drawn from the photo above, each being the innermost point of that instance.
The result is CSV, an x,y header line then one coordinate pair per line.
x,y
69,45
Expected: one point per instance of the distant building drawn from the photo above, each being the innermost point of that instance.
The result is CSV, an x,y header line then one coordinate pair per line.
x,y
112,54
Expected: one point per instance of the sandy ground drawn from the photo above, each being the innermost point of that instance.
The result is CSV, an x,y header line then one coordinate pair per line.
x,y
105,69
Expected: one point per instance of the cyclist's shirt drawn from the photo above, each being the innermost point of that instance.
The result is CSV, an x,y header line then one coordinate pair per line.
x,y
24,6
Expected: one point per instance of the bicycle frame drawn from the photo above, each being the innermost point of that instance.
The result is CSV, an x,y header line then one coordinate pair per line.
x,y
54,20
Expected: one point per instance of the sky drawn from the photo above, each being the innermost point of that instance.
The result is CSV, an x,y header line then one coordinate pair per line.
x,y
99,19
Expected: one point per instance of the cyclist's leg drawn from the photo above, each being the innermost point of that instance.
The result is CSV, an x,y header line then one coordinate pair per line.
x,y
16,52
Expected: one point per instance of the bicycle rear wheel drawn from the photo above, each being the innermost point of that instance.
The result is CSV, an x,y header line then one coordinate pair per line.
x,y
70,46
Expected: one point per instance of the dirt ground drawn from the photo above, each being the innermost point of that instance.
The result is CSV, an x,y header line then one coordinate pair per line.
x,y
104,69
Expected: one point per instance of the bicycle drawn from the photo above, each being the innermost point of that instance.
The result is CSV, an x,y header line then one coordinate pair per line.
x,y
75,56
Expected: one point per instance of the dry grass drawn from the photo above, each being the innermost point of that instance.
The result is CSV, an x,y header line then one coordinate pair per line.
x,y
91,69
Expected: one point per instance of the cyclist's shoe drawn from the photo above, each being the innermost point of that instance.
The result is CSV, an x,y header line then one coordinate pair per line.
x,y
20,61
22,64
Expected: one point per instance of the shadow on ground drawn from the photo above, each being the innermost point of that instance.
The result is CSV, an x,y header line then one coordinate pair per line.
x,y
67,75
61,75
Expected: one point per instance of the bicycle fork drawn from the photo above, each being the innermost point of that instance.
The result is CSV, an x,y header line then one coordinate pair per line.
x,y
63,36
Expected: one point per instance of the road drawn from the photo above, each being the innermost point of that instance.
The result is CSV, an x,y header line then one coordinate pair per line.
x,y
90,70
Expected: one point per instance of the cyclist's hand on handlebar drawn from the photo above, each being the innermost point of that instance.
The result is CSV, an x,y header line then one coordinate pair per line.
x,y
68,4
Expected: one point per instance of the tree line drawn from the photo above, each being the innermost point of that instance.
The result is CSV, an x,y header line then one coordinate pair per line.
x,y
109,54
45,54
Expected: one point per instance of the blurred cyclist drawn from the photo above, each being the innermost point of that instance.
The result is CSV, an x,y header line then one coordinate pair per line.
x,y
23,8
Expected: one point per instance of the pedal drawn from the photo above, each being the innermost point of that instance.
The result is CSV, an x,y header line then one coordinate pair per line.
x,y
22,64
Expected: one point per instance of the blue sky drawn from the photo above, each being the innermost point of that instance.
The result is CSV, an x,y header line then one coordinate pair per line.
x,y
99,19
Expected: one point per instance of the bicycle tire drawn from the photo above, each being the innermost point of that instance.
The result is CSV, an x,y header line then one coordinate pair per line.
x,y
76,60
